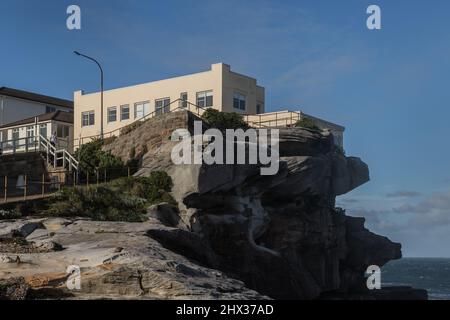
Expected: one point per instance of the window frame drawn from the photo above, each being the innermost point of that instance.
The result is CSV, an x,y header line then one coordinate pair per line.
x,y
204,95
122,107
143,104
165,108
183,100
109,110
90,116
237,95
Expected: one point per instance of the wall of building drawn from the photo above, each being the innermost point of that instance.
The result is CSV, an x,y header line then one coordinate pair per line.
x,y
14,109
220,80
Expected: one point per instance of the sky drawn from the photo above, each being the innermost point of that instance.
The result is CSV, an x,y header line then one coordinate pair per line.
x,y
390,88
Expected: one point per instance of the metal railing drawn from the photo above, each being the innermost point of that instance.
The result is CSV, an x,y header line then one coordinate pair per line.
x,y
55,156
176,105
274,119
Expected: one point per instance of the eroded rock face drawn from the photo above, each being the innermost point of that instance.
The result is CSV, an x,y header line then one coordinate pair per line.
x,y
281,234
118,260
235,234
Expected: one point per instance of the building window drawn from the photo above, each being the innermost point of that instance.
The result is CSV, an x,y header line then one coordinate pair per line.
x,y
141,109
49,109
162,106
124,112
15,134
239,101
43,130
259,108
62,131
183,100
112,114
88,119
30,135
205,99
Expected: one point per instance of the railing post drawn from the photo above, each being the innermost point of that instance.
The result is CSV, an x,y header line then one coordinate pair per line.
x,y
6,189
43,185
25,188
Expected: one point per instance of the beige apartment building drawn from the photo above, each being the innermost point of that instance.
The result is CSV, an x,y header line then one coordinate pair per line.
x,y
218,88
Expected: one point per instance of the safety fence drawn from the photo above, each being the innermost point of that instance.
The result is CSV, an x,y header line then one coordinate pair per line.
x,y
28,186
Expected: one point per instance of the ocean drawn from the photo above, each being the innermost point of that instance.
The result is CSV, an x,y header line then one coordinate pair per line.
x,y
432,274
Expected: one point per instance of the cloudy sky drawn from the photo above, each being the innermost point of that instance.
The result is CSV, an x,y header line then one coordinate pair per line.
x,y
390,88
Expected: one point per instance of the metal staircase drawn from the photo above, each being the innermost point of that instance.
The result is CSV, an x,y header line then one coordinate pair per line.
x,y
57,158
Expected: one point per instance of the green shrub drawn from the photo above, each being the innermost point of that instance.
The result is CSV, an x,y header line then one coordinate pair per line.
x,y
307,123
224,120
124,199
9,214
92,158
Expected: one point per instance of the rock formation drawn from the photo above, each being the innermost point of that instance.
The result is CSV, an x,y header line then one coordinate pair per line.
x,y
235,234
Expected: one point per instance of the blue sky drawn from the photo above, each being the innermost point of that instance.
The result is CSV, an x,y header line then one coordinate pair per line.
x,y
390,88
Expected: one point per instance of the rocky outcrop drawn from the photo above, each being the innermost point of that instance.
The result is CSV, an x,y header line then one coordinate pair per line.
x,y
234,233
280,234
118,260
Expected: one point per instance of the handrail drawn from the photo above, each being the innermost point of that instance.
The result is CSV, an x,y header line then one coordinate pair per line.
x,y
51,150
146,117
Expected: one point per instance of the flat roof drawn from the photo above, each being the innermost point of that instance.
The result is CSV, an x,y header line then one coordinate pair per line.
x,y
26,95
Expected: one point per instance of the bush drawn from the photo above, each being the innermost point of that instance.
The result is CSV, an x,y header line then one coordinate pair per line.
x,y
9,214
224,120
92,158
124,199
307,123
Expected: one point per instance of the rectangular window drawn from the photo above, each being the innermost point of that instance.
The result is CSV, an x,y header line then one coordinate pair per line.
x,y
259,108
141,109
162,106
15,134
183,100
43,130
124,112
239,101
30,135
112,114
88,118
49,109
205,99
62,131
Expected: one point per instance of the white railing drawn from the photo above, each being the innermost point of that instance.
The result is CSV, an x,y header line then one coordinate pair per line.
x,y
55,156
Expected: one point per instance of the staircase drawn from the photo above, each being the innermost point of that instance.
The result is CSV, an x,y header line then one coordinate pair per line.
x,y
57,158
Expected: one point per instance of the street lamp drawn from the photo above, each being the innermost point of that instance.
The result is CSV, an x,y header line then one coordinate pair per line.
x,y
101,86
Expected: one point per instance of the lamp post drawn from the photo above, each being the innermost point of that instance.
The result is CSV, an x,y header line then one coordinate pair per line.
x,y
101,86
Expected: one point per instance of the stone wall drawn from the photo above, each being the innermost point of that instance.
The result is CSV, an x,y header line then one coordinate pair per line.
x,y
150,135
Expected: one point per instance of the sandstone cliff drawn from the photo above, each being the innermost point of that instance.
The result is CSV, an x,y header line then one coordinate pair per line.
x,y
234,234
282,234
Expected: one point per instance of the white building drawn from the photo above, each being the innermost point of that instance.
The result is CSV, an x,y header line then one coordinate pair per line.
x,y
24,135
16,105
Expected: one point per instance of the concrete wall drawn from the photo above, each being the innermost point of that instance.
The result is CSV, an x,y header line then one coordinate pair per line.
x,y
219,79
14,109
